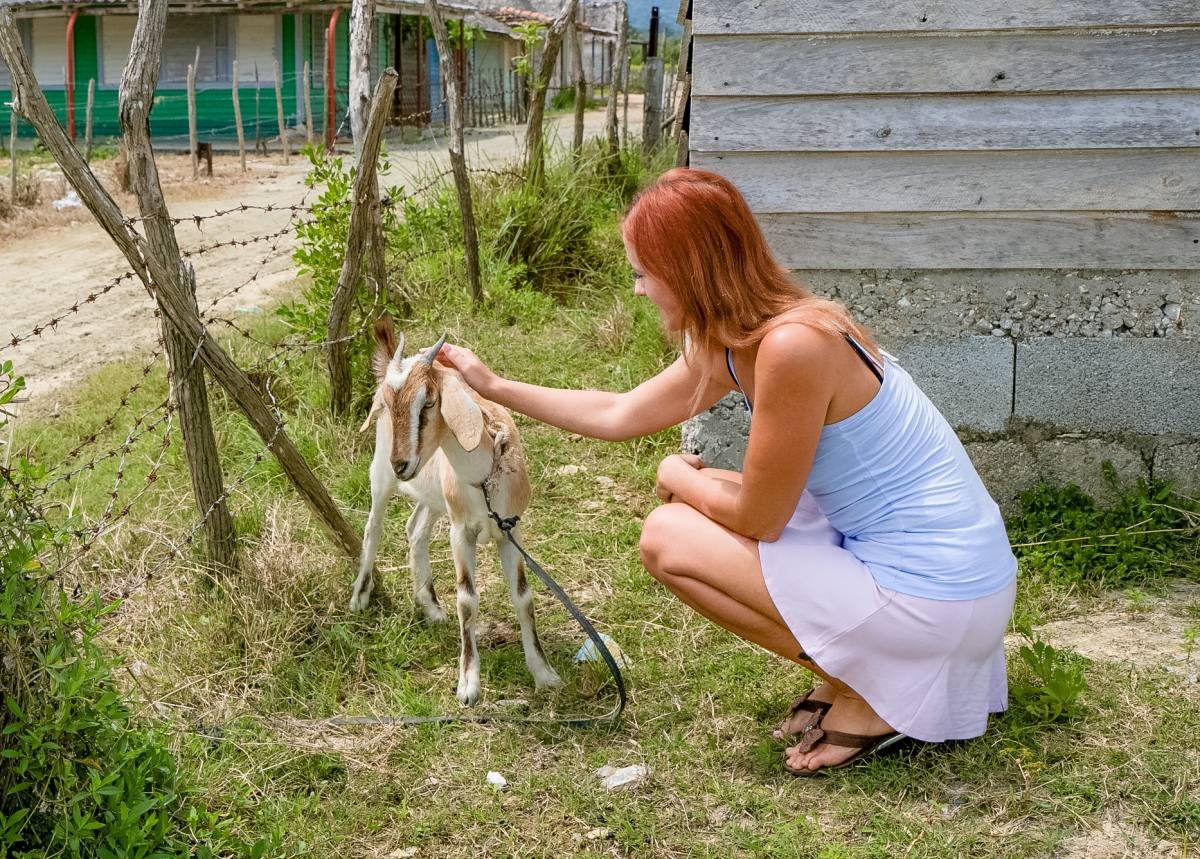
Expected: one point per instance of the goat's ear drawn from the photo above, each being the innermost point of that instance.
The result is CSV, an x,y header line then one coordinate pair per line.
x,y
385,346
460,412
376,408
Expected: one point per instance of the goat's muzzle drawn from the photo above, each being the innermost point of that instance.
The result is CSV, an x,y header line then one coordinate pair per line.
x,y
406,469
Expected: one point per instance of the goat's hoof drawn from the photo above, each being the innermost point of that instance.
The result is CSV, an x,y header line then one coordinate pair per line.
x,y
359,601
433,614
468,693
546,678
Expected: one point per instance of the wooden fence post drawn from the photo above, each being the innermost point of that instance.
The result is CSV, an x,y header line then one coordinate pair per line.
x,y
12,154
366,228
580,87
283,138
625,99
193,145
618,60
685,97
308,116
91,103
652,119
259,146
535,145
237,117
458,159
362,42
137,89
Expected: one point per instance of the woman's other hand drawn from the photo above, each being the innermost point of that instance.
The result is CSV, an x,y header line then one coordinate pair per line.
x,y
671,472
476,373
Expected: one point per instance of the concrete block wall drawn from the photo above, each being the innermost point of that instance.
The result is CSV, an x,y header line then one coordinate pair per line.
x,y
1045,375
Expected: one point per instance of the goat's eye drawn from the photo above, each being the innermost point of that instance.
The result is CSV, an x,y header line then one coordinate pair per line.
x,y
429,404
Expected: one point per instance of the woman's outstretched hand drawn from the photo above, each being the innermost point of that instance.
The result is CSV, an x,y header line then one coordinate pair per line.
x,y
477,374
669,472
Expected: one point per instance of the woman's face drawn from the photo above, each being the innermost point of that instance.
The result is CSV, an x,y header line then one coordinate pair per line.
x,y
657,292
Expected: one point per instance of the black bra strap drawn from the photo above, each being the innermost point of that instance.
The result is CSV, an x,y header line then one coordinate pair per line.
x,y
733,375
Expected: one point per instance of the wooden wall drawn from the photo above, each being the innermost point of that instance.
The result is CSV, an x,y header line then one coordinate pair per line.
x,y
957,133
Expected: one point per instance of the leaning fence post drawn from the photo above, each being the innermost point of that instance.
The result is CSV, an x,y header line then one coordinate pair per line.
x,y
366,228
237,118
193,146
283,138
91,102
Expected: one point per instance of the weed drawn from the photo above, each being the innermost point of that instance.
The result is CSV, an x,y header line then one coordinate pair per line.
x,y
1059,680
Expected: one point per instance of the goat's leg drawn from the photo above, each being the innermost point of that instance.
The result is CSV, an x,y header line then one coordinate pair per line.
x,y
383,486
462,546
420,523
522,600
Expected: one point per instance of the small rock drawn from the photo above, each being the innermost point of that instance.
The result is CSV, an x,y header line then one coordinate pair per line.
x,y
599,832
568,470
606,482
613,778
904,303
997,332
984,326
496,780
138,668
404,853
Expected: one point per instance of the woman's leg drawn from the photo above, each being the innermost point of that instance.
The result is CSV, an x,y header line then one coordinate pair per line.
x,y
718,573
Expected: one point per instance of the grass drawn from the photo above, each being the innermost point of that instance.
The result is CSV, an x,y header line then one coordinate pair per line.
x,y
234,668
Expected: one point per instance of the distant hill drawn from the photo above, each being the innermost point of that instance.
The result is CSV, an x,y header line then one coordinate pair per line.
x,y
639,15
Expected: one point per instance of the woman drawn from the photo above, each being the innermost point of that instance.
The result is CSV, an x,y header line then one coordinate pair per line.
x,y
857,541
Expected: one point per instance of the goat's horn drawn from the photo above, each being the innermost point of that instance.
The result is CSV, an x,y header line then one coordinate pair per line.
x,y
432,353
399,350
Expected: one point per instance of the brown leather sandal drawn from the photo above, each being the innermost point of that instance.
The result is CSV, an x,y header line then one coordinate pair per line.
x,y
818,709
866,745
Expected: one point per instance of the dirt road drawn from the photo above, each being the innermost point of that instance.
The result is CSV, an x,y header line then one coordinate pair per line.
x,y
52,267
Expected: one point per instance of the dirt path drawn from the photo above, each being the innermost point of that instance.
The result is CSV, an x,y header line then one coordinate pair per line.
x,y
55,264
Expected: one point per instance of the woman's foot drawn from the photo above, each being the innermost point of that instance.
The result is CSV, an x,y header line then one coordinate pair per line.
x,y
848,714
806,715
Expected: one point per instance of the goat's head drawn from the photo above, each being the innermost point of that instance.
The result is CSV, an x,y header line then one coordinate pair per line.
x,y
420,402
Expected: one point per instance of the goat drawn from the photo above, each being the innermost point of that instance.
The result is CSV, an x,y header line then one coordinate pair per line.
x,y
437,442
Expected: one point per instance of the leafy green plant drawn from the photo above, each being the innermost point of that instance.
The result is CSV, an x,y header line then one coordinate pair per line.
x,y
78,776
1147,535
531,34
1058,680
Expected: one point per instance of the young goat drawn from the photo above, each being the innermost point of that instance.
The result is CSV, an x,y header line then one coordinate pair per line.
x,y
438,442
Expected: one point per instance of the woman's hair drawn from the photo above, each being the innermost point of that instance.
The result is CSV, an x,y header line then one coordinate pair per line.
x,y
693,231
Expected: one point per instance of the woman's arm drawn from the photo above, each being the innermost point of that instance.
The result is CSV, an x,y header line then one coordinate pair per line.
x,y
794,384
660,402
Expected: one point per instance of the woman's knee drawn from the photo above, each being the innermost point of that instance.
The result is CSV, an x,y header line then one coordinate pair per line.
x,y
662,533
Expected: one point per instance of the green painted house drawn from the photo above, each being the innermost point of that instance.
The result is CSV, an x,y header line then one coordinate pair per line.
x,y
72,43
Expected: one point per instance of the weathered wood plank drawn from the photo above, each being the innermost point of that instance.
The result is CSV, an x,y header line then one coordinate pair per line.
x,y
1084,180
1016,62
995,240
942,122
839,16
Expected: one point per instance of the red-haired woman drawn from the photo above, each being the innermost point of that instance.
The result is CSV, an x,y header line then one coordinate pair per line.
x,y
857,541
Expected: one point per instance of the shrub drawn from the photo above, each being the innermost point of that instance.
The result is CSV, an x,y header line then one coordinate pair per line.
x,y
79,776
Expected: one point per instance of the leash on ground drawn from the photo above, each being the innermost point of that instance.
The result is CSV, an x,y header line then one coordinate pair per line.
x,y
506,526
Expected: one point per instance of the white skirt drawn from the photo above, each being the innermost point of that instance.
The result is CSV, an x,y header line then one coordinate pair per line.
x,y
932,669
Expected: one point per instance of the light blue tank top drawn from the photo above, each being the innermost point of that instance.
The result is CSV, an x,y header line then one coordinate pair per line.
x,y
895,480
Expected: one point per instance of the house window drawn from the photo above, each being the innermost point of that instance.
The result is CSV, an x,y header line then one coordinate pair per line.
x,y
183,34
257,39
186,33
24,31
49,54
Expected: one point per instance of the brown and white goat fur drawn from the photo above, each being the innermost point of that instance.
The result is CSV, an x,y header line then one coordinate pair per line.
x,y
436,442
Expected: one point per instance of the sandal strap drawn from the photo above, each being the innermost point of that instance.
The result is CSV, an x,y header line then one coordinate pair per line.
x,y
854,741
